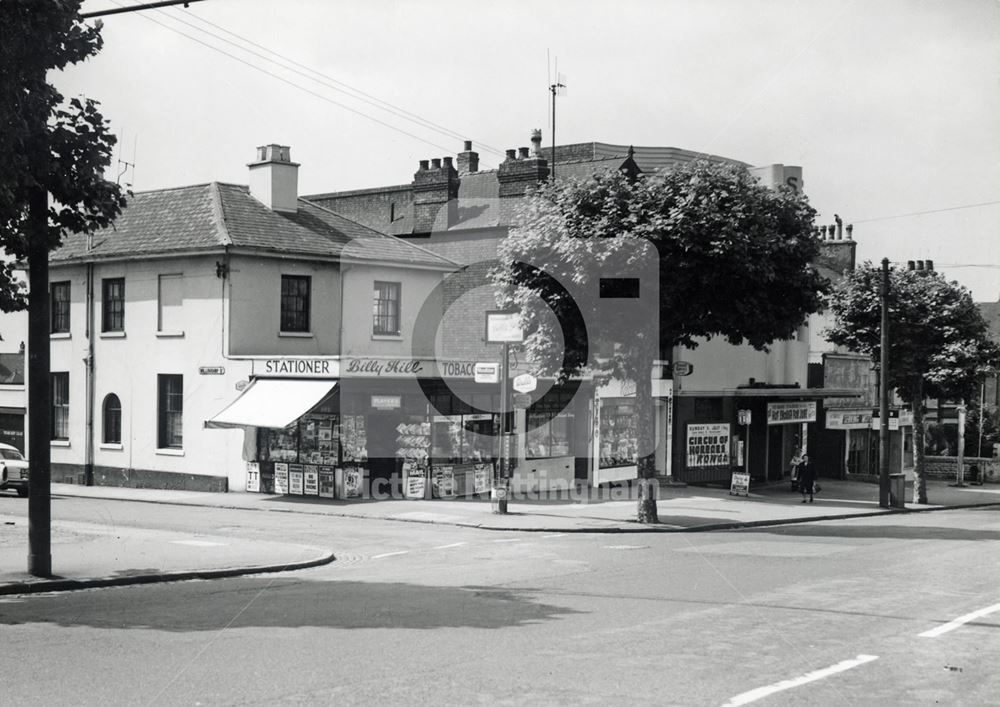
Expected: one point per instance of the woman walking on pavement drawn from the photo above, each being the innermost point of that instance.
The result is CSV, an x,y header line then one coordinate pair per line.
x,y
807,478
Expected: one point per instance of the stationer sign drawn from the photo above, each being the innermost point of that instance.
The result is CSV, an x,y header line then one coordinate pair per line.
x,y
360,367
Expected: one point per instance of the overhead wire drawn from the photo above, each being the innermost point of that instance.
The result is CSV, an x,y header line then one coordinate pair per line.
x,y
346,88
290,83
930,211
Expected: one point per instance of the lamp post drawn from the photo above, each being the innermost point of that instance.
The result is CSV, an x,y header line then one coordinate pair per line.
x,y
883,393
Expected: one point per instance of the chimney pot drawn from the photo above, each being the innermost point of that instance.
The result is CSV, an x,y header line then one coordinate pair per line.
x,y
536,142
447,162
511,154
523,153
930,265
920,265
435,163
850,230
911,265
468,145
424,164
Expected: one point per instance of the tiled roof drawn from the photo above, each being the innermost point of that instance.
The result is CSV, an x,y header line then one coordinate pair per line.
x,y
209,216
163,221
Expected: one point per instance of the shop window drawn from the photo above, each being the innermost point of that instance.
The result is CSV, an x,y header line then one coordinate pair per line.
x,y
170,411
386,309
60,405
550,428
112,419
113,304
170,303
59,304
464,439
618,439
295,304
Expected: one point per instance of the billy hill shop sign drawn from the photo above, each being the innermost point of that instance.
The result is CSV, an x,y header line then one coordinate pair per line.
x,y
361,367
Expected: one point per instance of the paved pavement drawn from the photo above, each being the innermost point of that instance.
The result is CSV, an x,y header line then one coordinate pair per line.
x,y
93,556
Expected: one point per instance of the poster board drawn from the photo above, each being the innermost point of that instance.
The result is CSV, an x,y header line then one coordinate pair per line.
x,y
326,481
280,478
443,482
740,485
707,445
310,481
295,473
480,479
353,481
253,477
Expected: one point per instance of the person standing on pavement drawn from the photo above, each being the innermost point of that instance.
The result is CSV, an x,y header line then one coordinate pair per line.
x,y
807,478
793,467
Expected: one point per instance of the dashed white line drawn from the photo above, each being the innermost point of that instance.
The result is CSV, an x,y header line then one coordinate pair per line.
x,y
555,535
952,625
760,692
445,547
508,540
390,554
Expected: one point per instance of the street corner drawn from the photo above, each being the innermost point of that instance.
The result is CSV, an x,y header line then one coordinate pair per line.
x,y
87,557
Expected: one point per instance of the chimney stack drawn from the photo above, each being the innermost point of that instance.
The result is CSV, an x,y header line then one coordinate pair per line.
x,y
274,178
468,161
516,175
435,195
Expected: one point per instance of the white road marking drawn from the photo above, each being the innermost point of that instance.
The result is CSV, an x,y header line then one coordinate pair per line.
x,y
760,692
197,543
508,540
445,547
625,547
555,535
390,554
952,625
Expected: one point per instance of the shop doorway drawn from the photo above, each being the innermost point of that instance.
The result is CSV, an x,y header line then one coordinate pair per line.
x,y
782,441
383,467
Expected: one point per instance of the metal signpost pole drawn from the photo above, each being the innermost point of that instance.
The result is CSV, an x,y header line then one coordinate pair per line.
x,y
883,407
504,397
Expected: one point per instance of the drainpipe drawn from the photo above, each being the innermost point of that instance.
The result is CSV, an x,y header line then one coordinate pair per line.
x,y
89,364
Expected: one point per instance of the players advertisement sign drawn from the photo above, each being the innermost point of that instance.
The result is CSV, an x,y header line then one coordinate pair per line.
x,y
784,413
708,445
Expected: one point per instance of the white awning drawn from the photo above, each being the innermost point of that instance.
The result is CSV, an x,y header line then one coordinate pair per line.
x,y
273,403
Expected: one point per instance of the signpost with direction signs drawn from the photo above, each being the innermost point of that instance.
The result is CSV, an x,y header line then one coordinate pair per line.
x,y
503,327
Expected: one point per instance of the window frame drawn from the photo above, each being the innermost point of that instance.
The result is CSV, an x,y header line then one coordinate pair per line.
x,y
295,309
173,277
111,433
169,411
59,309
382,315
112,305
59,390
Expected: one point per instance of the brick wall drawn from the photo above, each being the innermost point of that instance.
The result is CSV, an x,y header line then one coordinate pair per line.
x,y
375,209
947,468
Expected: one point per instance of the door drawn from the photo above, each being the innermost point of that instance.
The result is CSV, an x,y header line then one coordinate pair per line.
x,y
383,467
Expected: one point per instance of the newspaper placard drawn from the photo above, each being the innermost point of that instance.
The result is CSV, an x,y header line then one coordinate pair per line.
x,y
295,479
740,485
443,482
311,481
280,477
253,477
327,482
480,479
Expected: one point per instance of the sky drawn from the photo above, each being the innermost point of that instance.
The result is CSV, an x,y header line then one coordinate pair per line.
x,y
891,107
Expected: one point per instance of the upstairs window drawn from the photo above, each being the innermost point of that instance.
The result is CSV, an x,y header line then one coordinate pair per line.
x,y
59,307
386,309
170,304
295,303
113,304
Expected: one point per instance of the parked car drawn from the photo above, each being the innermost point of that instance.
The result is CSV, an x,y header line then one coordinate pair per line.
x,y
13,470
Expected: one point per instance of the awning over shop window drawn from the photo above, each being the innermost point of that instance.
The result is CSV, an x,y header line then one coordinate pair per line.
x,y
273,403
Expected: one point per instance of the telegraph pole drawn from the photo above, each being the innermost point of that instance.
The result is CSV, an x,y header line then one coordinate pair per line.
x,y
883,403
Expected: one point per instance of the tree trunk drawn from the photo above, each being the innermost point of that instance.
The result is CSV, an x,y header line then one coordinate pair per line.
x,y
39,402
919,478
646,441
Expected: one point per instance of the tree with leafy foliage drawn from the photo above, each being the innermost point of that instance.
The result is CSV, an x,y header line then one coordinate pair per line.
x,y
54,154
732,259
938,341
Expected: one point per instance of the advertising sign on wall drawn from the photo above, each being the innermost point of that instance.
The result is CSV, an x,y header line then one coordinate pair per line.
x,y
295,479
848,419
310,479
327,482
253,477
280,477
708,444
353,479
798,411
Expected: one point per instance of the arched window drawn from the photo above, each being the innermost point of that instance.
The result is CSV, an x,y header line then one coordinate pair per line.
x,y
112,419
